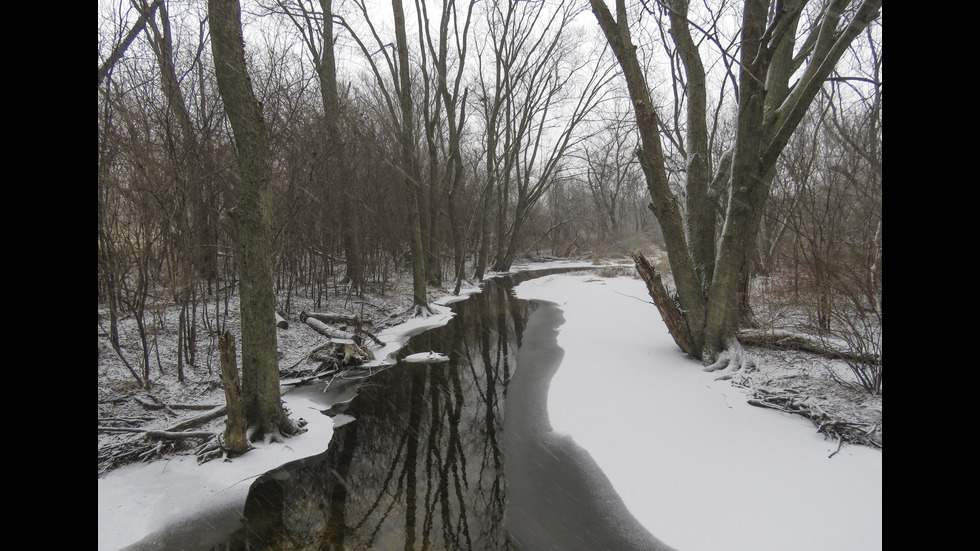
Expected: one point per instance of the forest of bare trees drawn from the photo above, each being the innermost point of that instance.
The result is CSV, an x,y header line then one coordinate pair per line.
x,y
439,141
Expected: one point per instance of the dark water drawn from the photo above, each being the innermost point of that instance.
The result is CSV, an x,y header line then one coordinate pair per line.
x,y
454,455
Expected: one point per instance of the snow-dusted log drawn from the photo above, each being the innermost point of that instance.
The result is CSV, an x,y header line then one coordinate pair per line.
x,y
199,420
334,333
168,435
161,405
327,330
790,341
281,322
330,317
427,358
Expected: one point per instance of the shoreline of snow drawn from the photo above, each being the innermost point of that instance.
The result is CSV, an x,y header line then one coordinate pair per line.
x,y
140,501
694,462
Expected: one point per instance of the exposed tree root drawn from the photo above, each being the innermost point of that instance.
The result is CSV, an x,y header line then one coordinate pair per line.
x,y
213,449
275,431
734,360
420,311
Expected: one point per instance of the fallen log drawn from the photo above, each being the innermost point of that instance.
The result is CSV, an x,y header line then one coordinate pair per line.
x,y
167,435
199,420
161,405
182,426
327,330
281,322
329,318
788,341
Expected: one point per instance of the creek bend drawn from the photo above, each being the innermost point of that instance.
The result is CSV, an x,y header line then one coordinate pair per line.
x,y
452,455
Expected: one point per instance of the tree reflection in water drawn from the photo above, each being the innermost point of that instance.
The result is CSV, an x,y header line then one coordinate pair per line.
x,y
421,466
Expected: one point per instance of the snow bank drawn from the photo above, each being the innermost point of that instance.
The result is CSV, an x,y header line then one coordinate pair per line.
x,y
697,465
700,468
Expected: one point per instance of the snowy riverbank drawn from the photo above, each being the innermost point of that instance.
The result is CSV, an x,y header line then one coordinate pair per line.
x,y
696,465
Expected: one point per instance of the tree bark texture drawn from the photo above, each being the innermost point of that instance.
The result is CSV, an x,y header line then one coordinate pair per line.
x,y
410,169
252,219
667,305
235,441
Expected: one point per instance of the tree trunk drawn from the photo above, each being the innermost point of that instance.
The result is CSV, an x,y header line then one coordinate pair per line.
x,y
409,163
252,218
667,305
690,292
235,442
339,162
768,113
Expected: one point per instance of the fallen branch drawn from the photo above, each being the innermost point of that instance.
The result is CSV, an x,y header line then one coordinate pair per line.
x,y
167,435
789,341
199,420
161,434
793,403
160,405
178,428
130,420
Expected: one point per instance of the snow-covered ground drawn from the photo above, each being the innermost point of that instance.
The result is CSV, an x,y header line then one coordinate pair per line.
x,y
696,465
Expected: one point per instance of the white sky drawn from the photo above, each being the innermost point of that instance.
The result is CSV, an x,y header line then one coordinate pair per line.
x,y
695,464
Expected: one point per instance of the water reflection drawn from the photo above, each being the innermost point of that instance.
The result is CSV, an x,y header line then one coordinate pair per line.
x,y
439,454
421,467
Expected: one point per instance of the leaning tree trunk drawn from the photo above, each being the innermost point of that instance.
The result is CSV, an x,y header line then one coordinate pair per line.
x,y
253,230
235,440
667,305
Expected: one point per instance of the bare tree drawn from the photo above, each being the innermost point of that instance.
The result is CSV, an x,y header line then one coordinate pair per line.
x,y
612,174
409,161
146,13
396,84
337,193
260,366
535,94
444,113
710,273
